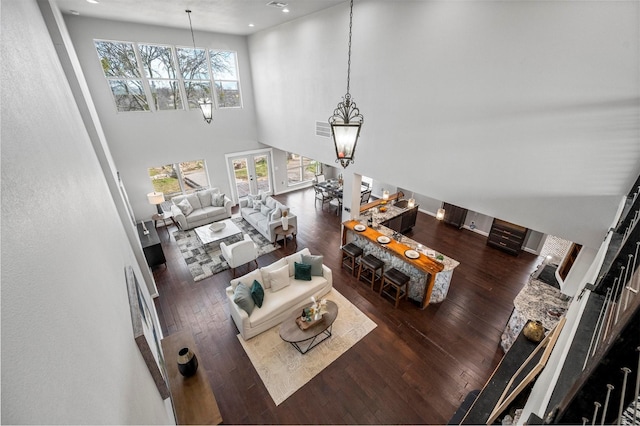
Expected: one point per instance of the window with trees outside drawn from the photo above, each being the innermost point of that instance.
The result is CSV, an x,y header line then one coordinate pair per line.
x,y
301,169
171,77
179,178
120,67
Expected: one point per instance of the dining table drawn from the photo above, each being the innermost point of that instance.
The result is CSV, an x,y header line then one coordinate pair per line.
x,y
334,188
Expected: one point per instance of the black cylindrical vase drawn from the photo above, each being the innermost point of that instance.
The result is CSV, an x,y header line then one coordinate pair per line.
x,y
187,362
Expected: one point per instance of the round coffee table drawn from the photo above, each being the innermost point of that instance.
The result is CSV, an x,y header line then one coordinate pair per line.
x,y
290,332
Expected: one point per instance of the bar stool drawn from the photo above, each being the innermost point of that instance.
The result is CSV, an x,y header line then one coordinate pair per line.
x,y
351,252
371,264
398,281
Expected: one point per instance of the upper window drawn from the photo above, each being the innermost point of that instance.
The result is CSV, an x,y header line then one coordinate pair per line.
x,y
120,67
225,74
195,73
157,62
301,169
179,178
168,76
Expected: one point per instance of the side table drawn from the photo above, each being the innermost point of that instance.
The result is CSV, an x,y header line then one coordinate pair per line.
x,y
291,230
151,245
163,217
193,400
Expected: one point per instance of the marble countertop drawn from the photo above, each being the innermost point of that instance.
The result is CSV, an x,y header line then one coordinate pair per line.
x,y
377,216
542,302
448,263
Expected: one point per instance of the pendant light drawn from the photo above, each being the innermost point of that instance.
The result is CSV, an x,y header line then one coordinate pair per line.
x,y
206,106
346,120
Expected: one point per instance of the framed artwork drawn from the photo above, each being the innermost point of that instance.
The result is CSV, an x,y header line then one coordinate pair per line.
x,y
145,333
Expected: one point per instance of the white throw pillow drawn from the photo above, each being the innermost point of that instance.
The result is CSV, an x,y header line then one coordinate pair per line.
x,y
266,211
257,205
271,202
205,197
276,214
269,268
291,260
185,207
217,200
279,278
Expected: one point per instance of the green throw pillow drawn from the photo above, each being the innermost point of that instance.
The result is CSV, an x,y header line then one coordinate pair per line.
x,y
315,262
257,293
302,271
242,297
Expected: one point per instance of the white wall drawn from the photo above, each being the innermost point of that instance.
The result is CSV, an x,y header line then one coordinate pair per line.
x,y
139,140
527,111
68,354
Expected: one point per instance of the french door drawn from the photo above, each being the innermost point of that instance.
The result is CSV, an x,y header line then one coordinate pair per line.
x,y
250,172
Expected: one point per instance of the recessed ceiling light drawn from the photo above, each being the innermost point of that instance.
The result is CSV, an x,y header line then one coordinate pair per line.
x,y
93,1
285,10
251,25
74,12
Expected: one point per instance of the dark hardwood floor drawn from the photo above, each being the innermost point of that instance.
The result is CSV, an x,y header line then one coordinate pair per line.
x,y
415,367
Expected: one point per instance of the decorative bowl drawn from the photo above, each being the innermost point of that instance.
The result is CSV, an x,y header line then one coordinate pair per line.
x,y
217,226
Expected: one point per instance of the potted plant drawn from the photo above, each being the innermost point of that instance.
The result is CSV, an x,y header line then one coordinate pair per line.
x,y
285,220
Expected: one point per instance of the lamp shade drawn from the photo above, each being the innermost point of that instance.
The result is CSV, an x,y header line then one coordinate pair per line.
x,y
440,214
207,111
155,197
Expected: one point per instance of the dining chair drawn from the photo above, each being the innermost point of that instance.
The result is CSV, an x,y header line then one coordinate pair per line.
x,y
320,178
337,203
365,184
364,197
321,195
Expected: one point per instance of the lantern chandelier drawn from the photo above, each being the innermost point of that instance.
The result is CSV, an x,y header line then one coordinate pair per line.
x,y
346,120
205,104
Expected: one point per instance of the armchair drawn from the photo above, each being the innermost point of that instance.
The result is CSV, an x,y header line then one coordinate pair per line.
x,y
239,253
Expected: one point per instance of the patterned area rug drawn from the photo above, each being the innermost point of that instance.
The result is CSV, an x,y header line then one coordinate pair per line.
x,y
284,370
206,261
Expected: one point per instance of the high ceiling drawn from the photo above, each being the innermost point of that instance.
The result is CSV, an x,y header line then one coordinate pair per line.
x,y
224,16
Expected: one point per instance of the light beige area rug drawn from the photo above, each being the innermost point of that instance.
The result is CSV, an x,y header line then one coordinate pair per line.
x,y
284,370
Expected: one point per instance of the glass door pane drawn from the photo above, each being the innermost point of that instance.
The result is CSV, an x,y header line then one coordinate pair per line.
x,y
241,172
261,165
251,173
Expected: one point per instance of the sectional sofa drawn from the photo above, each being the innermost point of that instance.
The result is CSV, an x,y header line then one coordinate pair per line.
x,y
283,294
264,213
200,208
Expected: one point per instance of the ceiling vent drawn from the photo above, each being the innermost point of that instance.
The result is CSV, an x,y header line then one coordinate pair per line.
x,y
277,4
323,129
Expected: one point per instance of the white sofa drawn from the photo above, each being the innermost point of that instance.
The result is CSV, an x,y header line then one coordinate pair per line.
x,y
204,208
281,303
266,215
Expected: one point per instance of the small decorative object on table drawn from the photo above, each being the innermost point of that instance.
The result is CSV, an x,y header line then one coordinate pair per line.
x,y
285,221
312,314
534,331
187,362
217,226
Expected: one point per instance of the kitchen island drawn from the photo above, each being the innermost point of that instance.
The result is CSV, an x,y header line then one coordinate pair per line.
x,y
429,278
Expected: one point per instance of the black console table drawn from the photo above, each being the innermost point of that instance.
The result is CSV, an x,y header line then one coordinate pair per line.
x,y
151,245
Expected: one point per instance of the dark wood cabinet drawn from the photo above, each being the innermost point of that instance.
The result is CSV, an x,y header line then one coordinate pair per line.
x,y
409,219
507,236
405,221
151,245
454,215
